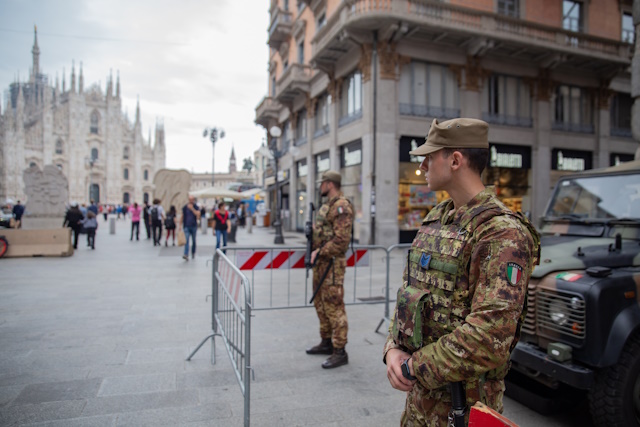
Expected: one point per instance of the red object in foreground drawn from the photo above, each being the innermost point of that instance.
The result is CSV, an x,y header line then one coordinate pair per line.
x,y
483,416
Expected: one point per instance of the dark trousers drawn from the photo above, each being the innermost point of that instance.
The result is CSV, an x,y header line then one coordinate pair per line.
x,y
148,227
135,226
91,237
157,232
76,233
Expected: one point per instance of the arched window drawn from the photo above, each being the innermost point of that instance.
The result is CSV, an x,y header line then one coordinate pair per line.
x,y
145,198
59,146
146,174
94,154
125,198
59,166
125,154
32,164
95,120
126,173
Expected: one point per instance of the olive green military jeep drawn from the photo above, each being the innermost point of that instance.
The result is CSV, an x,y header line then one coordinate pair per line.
x,y
582,330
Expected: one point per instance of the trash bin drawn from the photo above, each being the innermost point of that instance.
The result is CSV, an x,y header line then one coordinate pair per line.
x,y
112,226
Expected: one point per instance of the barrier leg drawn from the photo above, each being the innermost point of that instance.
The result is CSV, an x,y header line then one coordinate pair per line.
x,y
213,348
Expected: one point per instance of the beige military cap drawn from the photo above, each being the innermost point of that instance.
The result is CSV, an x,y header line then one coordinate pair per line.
x,y
332,176
454,133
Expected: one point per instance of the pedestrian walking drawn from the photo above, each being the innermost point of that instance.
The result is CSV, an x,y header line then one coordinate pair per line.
x,y
170,225
89,226
93,207
17,212
460,307
72,219
190,218
331,236
156,216
146,218
222,225
135,220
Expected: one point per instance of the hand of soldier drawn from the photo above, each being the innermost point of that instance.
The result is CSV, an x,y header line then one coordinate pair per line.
x,y
314,254
394,358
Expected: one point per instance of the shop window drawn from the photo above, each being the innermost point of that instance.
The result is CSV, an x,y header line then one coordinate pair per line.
x,y
322,116
95,121
301,127
628,32
302,207
351,171
509,8
351,99
507,101
573,110
126,173
621,115
322,164
59,149
428,90
125,153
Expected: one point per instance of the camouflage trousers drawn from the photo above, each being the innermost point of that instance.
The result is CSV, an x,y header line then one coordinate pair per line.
x,y
431,407
329,301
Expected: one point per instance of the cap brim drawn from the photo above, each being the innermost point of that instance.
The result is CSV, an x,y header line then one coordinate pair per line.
x,y
425,149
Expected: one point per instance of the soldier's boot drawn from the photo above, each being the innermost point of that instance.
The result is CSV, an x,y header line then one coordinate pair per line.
x,y
325,347
338,358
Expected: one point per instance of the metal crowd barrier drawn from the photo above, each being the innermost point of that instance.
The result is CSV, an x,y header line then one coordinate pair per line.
x,y
396,265
231,320
279,280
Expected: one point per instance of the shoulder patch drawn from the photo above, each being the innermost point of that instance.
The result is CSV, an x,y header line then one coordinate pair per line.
x,y
340,210
514,273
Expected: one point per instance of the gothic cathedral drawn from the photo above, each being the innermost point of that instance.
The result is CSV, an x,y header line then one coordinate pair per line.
x,y
81,131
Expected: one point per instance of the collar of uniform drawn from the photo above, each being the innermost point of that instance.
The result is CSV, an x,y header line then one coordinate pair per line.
x,y
478,199
332,200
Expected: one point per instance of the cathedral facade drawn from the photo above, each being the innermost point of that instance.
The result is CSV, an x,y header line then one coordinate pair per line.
x,y
83,132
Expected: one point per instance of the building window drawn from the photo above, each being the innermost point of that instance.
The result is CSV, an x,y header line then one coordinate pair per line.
x,y
32,164
285,4
285,65
509,8
94,154
301,52
125,153
146,174
59,166
95,120
301,5
301,127
428,90
126,173
572,16
321,22
59,147
573,110
125,198
507,101
145,198
322,116
628,32
351,99
621,115
273,86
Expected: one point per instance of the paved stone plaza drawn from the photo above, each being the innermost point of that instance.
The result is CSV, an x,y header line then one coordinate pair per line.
x,y
100,339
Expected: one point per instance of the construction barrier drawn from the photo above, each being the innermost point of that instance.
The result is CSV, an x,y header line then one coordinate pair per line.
x,y
231,320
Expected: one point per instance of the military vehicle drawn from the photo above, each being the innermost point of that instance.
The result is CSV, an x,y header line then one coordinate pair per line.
x,y
582,329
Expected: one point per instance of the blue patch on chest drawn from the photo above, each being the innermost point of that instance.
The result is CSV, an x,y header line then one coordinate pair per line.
x,y
425,259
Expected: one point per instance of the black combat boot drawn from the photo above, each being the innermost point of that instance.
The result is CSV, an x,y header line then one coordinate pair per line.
x,y
338,358
325,347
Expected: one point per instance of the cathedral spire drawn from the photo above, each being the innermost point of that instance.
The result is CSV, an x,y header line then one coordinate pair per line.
x,y
110,85
118,84
35,51
138,110
232,161
73,77
64,81
81,80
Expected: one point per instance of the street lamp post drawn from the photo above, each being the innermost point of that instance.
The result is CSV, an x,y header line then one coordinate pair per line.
x,y
213,133
275,133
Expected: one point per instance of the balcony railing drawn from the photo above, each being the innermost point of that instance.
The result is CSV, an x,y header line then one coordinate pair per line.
x,y
429,111
450,17
294,80
280,28
622,132
266,110
572,127
508,120
321,131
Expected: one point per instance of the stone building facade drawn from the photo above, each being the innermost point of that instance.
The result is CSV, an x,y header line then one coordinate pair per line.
x,y
82,131
355,84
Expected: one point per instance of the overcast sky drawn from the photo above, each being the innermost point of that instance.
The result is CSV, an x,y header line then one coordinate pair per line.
x,y
194,63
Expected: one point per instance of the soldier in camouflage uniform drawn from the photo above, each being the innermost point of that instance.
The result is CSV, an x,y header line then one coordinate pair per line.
x,y
462,301
331,236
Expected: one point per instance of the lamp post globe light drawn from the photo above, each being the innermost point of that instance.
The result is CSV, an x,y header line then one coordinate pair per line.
x,y
214,133
275,133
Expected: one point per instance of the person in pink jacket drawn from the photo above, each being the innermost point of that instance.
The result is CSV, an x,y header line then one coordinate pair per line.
x,y
135,211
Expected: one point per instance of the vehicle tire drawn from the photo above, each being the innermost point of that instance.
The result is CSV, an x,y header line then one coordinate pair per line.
x,y
4,245
614,398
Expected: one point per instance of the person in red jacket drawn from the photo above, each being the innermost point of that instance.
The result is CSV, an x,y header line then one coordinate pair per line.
x,y
222,225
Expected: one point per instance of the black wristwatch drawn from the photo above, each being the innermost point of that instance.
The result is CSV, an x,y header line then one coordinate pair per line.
x,y
406,372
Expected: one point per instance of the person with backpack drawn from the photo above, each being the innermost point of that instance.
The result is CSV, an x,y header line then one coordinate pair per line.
x,y
222,225
156,216
170,225
190,218
89,226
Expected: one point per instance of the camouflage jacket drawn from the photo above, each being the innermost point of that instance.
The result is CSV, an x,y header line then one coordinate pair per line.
x,y
471,268
332,230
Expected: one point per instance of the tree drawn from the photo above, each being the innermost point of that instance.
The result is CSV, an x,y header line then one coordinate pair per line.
x,y
247,164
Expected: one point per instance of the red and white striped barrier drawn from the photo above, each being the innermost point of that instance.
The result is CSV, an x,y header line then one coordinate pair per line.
x,y
282,260
231,281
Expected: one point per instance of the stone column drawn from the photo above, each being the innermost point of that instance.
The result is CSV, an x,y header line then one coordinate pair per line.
x,y
470,94
635,77
603,123
541,151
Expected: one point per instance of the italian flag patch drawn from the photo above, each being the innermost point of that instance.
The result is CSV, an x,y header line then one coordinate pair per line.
x,y
514,273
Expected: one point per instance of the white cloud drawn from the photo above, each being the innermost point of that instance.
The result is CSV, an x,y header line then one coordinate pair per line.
x,y
194,63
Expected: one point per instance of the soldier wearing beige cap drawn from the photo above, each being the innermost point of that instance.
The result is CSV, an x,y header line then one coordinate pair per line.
x,y
461,302
331,236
